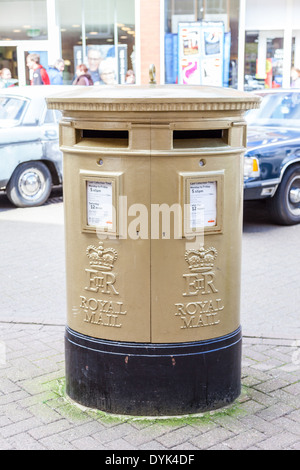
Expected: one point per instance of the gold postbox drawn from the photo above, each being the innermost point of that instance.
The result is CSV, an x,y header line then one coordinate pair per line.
x,y
153,219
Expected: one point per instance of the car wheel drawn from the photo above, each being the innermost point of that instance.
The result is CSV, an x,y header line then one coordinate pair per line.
x,y
285,204
30,185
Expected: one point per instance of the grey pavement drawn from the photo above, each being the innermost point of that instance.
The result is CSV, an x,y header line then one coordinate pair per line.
x,y
36,414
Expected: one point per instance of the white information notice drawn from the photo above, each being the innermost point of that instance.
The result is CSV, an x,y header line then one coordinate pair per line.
x,y
203,204
99,204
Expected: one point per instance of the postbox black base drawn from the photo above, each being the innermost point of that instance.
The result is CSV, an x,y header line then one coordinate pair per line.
x,y
153,379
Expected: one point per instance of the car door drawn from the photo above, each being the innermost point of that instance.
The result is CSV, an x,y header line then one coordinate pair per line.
x,y
50,138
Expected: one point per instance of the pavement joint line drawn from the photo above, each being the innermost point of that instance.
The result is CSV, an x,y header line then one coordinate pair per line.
x,y
29,323
267,338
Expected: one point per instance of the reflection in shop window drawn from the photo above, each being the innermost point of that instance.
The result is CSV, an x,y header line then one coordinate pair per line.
x,y
90,29
70,19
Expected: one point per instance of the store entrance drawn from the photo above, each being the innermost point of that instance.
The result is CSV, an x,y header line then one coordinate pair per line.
x,y
13,56
8,60
43,61
264,59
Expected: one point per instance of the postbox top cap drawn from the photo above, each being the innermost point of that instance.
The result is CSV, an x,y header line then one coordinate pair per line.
x,y
151,98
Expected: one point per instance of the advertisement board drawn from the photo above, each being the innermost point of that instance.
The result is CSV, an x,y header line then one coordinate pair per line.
x,y
102,63
200,53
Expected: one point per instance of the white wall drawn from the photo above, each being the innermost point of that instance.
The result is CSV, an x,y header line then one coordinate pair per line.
x,y
271,14
264,15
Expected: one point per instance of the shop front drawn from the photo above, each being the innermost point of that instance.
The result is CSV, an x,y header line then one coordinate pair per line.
x,y
230,44
79,31
220,42
272,47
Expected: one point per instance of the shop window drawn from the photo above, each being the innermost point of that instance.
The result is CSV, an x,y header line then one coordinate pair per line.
x,y
274,63
252,79
90,30
210,63
263,60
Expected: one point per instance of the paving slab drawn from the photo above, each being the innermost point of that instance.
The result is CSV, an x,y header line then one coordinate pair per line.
x,y
35,412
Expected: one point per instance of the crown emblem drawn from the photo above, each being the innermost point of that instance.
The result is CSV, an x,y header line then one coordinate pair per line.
x,y
201,260
101,258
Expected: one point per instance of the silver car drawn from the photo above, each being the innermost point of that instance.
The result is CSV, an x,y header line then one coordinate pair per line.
x,y
30,159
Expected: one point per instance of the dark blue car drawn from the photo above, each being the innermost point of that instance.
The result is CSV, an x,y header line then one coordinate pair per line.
x,y
272,160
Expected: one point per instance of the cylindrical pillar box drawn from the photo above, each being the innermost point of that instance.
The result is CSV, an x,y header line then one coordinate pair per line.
x,y
153,196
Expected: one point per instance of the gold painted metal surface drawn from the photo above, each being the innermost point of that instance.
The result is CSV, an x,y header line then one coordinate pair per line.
x,y
141,278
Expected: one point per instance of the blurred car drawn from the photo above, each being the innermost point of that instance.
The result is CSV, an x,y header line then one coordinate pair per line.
x,y
30,159
272,159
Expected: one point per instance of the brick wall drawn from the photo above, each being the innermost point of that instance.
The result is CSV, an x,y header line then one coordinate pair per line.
x,y
150,38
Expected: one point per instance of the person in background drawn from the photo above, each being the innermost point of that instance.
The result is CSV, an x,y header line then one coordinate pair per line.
x,y
295,77
39,73
94,59
55,72
5,78
83,77
107,71
130,77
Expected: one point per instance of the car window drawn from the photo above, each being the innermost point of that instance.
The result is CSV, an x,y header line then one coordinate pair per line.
x,y
58,115
52,116
278,109
11,110
49,117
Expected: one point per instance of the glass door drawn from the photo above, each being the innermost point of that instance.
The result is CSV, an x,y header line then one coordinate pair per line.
x,y
264,59
43,61
13,56
274,62
9,66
